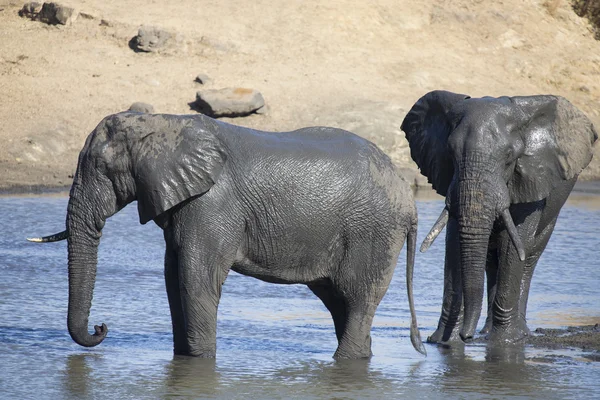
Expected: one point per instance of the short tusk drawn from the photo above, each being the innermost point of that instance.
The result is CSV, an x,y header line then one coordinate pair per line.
x,y
435,230
52,238
512,232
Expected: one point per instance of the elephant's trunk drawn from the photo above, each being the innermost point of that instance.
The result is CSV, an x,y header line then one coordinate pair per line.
x,y
83,240
476,216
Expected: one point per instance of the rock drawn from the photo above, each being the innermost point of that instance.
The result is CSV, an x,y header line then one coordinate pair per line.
x,y
54,14
141,107
202,79
229,102
152,39
30,9
511,38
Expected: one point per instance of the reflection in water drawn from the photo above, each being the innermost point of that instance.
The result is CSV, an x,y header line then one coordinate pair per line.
x,y
191,377
78,375
274,341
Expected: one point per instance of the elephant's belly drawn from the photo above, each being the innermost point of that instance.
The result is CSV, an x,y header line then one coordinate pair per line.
x,y
285,267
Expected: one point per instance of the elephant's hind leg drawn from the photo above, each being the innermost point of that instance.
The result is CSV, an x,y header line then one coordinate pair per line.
x,y
334,302
364,279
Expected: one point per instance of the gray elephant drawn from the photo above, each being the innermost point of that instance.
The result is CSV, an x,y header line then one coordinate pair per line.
x,y
506,166
317,206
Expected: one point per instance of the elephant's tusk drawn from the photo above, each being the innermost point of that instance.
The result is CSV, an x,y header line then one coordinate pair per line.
x,y
52,238
435,230
512,232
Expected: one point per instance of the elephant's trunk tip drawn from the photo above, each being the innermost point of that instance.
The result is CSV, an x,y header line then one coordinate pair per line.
x,y
86,340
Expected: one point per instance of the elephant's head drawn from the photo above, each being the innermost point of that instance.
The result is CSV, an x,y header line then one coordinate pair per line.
x,y
487,153
158,160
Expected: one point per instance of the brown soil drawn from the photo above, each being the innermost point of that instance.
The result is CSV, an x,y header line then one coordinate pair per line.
x,y
357,65
583,337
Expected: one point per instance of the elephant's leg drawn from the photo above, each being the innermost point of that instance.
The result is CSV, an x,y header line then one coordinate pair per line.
x,y
541,241
547,222
355,342
508,325
450,321
200,281
206,248
334,303
491,272
362,280
174,296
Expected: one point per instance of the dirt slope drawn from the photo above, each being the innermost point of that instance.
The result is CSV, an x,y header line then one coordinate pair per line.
x,y
358,65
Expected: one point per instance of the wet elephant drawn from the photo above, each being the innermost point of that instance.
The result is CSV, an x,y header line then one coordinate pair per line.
x,y
506,166
317,206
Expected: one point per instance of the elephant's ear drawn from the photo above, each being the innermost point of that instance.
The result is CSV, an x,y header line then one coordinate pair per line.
x,y
558,141
427,126
178,160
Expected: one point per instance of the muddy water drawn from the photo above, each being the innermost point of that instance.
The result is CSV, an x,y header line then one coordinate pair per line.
x,y
274,341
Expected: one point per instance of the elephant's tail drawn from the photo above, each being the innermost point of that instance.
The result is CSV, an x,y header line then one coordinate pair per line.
x,y
415,335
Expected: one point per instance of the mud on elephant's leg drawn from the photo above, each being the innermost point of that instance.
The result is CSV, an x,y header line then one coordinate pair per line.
x,y
451,318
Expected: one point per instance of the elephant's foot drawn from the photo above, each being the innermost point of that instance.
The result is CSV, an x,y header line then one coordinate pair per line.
x,y
445,335
350,350
511,333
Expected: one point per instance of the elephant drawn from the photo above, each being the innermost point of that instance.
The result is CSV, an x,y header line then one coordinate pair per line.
x,y
317,206
506,166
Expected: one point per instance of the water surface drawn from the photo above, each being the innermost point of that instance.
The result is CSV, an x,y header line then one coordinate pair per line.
x,y
273,341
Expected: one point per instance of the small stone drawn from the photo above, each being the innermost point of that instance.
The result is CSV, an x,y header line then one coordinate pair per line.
x,y
541,331
202,79
66,15
229,102
30,9
141,107
54,14
152,39
105,22
584,89
86,15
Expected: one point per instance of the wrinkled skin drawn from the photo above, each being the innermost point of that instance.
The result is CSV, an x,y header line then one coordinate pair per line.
x,y
506,166
318,206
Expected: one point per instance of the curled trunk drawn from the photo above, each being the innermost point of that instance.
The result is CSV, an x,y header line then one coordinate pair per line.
x,y
83,240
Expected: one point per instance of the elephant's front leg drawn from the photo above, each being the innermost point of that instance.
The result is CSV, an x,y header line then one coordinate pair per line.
x,y
180,345
201,250
201,277
451,317
508,323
